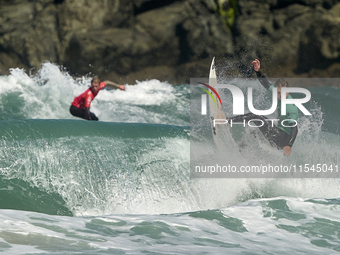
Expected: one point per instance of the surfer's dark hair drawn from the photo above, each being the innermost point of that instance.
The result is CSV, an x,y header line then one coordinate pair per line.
x,y
281,83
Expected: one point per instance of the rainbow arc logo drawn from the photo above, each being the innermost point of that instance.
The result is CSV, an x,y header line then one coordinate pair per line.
x,y
208,92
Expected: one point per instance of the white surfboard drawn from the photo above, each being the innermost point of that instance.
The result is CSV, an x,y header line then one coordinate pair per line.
x,y
215,107
222,134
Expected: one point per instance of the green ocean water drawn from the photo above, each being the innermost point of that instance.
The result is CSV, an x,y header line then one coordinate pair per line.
x,y
123,186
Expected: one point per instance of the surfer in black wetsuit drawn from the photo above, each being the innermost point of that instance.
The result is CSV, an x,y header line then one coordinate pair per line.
x,y
280,136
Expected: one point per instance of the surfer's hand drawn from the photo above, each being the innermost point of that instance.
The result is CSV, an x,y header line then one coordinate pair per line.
x,y
287,150
121,87
256,64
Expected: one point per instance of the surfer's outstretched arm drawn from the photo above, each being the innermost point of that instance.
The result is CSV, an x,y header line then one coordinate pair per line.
x,y
260,75
114,85
288,148
293,134
263,79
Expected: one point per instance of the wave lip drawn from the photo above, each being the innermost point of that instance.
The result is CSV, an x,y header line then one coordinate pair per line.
x,y
36,129
92,167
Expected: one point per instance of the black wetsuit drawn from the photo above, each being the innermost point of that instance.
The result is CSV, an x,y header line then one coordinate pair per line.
x,y
83,113
276,136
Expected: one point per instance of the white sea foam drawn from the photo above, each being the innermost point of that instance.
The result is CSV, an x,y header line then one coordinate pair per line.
x,y
49,94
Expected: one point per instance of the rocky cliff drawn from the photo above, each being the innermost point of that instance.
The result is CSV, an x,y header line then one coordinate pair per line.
x,y
171,39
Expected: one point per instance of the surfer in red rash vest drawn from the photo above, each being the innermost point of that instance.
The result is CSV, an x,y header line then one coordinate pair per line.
x,y
81,104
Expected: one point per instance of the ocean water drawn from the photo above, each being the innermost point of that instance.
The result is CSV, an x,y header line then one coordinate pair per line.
x,y
122,185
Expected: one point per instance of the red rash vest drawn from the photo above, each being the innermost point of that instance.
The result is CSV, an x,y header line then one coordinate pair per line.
x,y
85,99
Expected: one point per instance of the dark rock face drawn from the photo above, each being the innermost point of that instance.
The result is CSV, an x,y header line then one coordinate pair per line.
x,y
291,37
171,39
